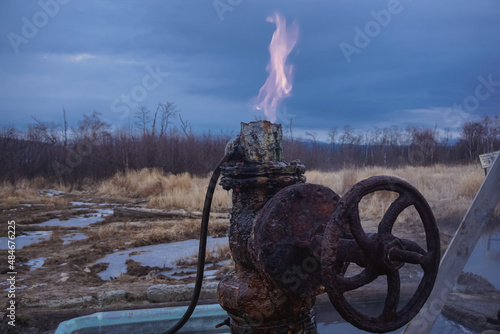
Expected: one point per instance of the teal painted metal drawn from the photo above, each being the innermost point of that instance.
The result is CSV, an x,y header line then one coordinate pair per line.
x,y
146,321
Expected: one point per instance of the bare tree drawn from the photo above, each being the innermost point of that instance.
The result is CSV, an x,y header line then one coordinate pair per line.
x,y
332,136
91,128
313,136
473,134
168,110
143,118
492,132
65,128
425,140
44,132
184,126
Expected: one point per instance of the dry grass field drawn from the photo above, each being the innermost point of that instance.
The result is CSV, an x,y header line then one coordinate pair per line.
x,y
437,183
163,191
72,269
453,187
448,189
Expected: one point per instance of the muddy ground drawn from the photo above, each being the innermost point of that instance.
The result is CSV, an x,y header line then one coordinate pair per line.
x,y
68,285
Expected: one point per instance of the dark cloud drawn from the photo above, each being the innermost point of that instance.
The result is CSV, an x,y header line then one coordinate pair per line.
x,y
428,56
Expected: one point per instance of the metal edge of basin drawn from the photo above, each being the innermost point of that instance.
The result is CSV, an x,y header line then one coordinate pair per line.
x,y
156,320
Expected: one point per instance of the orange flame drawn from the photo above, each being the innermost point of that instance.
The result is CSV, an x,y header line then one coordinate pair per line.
x,y
279,82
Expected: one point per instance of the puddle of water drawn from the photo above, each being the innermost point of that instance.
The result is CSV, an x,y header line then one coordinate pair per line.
x,y
36,263
190,272
17,287
330,322
26,239
51,192
8,283
162,255
80,221
90,203
485,259
68,238
204,319
82,203
442,326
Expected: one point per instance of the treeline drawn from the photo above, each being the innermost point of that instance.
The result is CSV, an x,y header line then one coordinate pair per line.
x,y
395,147
92,150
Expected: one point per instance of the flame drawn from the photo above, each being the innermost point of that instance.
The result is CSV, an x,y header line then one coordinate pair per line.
x,y
279,82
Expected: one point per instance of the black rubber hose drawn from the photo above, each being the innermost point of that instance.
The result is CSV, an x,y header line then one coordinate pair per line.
x,y
203,246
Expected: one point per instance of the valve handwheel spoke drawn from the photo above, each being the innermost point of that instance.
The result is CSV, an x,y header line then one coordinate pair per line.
x,y
412,253
385,254
402,202
355,282
392,299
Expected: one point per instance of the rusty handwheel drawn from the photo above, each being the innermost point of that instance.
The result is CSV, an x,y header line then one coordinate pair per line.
x,y
378,254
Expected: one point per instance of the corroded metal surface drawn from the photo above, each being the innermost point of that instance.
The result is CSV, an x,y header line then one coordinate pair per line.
x,y
383,254
261,141
258,306
291,241
287,234
255,174
253,185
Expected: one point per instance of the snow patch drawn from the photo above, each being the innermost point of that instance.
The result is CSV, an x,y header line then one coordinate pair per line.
x,y
162,255
80,221
68,238
36,263
51,192
26,239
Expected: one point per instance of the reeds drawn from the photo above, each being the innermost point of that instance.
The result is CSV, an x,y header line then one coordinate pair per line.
x,y
181,191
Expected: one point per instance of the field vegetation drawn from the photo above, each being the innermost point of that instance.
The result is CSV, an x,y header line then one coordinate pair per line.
x,y
92,151
51,172
448,189
72,268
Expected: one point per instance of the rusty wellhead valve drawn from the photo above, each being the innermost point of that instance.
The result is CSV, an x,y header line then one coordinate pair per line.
x,y
292,240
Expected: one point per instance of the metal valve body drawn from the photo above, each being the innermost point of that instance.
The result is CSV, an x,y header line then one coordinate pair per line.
x,y
255,175
292,240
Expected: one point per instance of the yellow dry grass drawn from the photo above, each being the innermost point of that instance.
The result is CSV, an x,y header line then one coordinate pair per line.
x,y
176,231
105,232
151,233
181,191
28,191
448,189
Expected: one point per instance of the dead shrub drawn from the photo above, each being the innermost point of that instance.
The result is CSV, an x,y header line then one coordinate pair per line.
x,y
163,190
106,231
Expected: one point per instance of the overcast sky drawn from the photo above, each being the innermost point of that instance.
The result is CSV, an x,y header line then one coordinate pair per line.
x,y
365,63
